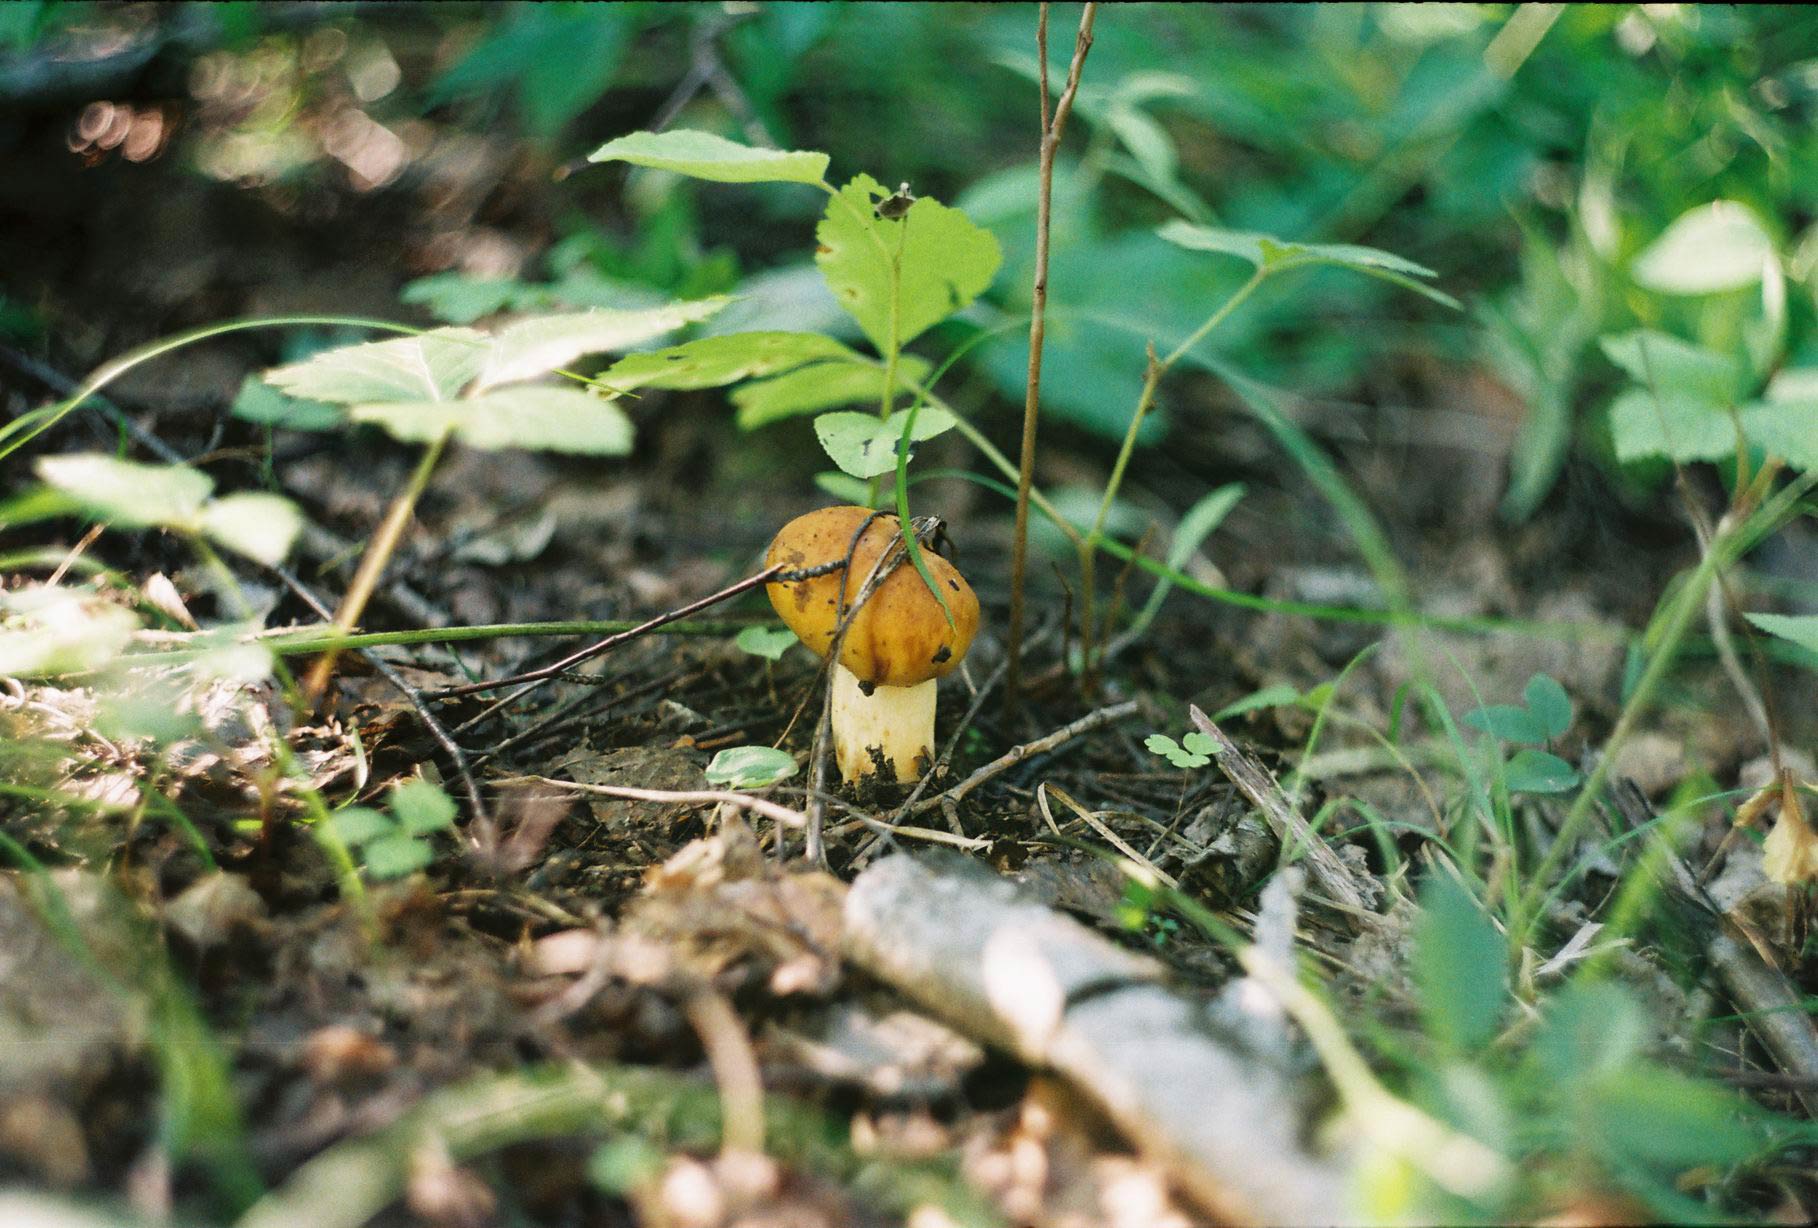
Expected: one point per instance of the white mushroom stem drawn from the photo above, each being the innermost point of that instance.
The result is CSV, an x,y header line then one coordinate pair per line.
x,y
897,720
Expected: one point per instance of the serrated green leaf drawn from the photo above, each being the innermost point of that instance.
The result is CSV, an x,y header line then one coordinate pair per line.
x,y
1549,704
945,261
260,526
396,855
1715,247
706,156
1460,966
1679,427
864,446
421,807
529,348
434,366
128,494
1276,696
258,401
1267,252
712,362
751,767
1508,722
819,386
1538,771
356,825
1662,362
767,642
1801,629
530,416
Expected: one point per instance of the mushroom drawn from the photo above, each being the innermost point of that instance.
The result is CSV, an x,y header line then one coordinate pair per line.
x,y
899,642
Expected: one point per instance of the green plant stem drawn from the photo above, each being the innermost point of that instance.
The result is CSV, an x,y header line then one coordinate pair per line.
x,y
1725,548
1088,546
29,426
372,565
290,642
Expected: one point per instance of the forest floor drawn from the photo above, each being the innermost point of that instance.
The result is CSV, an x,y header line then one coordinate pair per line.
x,y
564,929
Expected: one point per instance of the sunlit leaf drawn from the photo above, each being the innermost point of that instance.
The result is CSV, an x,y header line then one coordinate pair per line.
x,y
260,526
45,632
751,767
434,366
126,493
712,362
706,156
533,347
1460,966
865,446
530,416
1716,247
819,386
945,261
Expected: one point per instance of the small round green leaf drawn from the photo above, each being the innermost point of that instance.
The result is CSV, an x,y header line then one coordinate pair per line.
x,y
767,642
421,807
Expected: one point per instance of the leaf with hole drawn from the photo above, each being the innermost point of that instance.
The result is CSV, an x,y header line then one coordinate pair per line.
x,y
433,366
533,416
864,445
751,767
704,155
943,262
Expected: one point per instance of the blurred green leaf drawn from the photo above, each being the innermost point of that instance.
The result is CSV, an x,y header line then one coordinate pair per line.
x,y
865,445
356,825
260,526
530,416
1716,247
819,386
1801,629
434,366
1643,424
1665,364
45,632
944,261
422,807
559,58
1201,520
396,855
1550,704
1588,1030
1656,1117
126,493
706,156
751,767
258,401
842,487
537,346
1460,966
1276,696
1508,722
460,299
712,362
1271,254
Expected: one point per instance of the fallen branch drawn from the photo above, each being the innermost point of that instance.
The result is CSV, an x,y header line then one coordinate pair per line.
x,y
688,797
967,946
1016,754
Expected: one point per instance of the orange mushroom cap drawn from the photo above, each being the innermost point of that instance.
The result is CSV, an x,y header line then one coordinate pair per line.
x,y
899,637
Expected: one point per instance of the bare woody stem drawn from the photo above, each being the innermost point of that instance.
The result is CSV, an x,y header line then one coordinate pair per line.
x,y
1052,127
379,550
